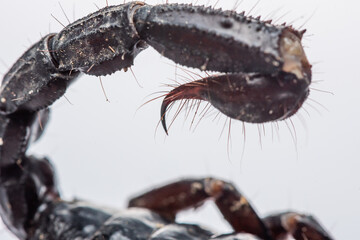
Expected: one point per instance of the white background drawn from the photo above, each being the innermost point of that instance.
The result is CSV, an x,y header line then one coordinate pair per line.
x,y
106,152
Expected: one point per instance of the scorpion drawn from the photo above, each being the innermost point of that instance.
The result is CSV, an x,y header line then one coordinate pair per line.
x,y
264,76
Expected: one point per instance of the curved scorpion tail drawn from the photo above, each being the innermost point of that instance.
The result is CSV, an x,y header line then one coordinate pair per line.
x,y
26,183
34,82
237,46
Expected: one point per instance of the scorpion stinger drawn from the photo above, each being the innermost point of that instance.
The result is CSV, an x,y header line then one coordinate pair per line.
x,y
254,98
266,72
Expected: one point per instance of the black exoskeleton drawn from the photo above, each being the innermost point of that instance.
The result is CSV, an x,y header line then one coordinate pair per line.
x,y
264,76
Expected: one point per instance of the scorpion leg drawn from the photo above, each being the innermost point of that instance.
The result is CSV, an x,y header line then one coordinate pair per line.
x,y
172,198
300,226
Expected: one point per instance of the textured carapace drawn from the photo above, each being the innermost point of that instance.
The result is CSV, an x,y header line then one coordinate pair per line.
x,y
265,77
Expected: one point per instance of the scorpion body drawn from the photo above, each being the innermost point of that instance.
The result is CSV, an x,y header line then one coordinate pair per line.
x,y
265,76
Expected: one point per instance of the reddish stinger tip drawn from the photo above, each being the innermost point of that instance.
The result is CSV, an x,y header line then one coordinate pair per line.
x,y
193,90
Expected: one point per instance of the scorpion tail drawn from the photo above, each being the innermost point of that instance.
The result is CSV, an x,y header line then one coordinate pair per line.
x,y
253,98
26,182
